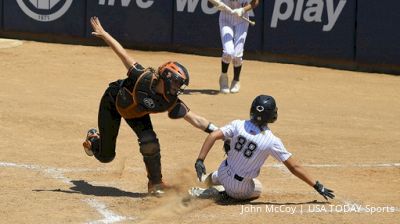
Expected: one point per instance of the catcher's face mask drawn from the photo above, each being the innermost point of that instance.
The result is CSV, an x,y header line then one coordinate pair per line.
x,y
175,77
177,87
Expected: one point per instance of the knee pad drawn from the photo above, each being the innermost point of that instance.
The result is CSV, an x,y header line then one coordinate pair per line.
x,y
226,58
237,61
148,143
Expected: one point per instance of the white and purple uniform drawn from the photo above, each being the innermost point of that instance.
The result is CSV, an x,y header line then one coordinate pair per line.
x,y
250,147
233,32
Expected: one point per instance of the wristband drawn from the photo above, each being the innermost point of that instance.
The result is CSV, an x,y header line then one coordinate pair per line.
x,y
210,128
199,160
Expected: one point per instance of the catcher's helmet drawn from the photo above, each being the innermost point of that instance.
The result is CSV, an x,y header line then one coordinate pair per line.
x,y
263,110
175,77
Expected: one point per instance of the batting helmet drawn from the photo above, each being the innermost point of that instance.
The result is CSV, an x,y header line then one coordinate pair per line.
x,y
175,77
263,110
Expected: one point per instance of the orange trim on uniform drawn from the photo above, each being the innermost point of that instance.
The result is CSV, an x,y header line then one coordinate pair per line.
x,y
173,67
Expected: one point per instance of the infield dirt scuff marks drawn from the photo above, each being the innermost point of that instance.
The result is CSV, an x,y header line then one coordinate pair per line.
x,y
176,202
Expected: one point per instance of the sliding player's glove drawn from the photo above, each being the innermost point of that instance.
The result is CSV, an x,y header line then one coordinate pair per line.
x,y
327,193
200,168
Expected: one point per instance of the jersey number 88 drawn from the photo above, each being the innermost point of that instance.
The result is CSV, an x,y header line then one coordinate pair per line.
x,y
249,147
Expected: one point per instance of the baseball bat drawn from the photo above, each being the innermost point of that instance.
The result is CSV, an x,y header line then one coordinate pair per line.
x,y
222,7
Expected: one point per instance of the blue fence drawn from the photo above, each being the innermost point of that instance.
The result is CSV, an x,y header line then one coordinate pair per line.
x,y
145,22
355,31
1,14
254,40
45,16
195,24
378,32
318,30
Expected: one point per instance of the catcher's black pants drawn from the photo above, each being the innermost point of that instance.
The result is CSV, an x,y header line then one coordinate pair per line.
x,y
109,121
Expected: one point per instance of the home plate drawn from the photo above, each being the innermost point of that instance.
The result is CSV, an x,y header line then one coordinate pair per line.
x,y
9,43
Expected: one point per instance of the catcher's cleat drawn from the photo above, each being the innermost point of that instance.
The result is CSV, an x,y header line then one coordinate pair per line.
x,y
92,134
235,86
223,83
158,189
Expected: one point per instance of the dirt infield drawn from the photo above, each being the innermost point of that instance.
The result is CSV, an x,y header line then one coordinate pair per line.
x,y
343,126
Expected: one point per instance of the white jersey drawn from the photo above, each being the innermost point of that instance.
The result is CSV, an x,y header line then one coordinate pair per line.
x,y
234,4
233,32
250,147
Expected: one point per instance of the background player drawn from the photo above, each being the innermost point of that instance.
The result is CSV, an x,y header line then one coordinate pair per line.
x,y
233,32
251,143
143,92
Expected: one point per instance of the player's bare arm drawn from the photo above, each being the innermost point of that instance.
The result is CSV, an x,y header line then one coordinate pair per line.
x,y
209,142
207,145
296,169
299,171
199,122
99,32
253,4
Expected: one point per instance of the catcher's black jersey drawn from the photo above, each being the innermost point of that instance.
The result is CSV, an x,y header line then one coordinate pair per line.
x,y
137,96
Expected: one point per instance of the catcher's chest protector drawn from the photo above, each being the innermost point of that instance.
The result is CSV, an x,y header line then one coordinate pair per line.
x,y
143,100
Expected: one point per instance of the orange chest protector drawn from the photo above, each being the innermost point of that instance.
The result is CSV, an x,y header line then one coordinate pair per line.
x,y
143,99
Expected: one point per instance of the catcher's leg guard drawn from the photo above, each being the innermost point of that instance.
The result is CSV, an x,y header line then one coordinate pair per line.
x,y
150,149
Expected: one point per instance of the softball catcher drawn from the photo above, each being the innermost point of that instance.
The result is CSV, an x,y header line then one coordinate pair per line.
x,y
143,92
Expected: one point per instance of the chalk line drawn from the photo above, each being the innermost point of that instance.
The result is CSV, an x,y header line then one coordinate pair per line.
x,y
357,165
109,216
58,174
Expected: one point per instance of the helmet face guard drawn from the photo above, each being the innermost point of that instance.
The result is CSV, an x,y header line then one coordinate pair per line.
x,y
263,110
175,77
